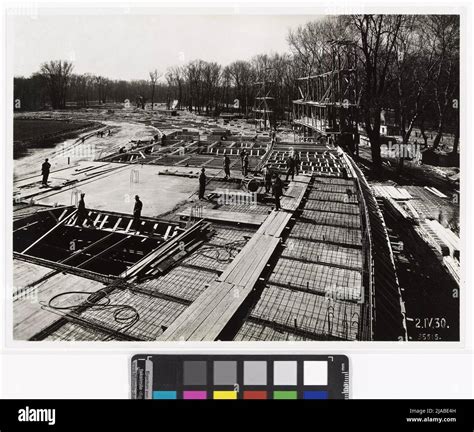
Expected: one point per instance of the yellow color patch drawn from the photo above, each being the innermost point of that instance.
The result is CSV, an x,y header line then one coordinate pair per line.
x,y
225,395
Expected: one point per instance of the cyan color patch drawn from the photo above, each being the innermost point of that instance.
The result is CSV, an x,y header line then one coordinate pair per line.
x,y
164,395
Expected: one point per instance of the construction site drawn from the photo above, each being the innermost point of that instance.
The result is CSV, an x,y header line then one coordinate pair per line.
x,y
349,256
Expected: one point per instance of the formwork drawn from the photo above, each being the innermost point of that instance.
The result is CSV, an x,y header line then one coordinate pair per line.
x,y
312,283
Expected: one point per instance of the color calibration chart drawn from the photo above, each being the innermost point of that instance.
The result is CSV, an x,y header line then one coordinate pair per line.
x,y
200,377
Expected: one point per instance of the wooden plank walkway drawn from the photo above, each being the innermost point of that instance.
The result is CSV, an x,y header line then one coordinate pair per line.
x,y
275,223
295,192
214,308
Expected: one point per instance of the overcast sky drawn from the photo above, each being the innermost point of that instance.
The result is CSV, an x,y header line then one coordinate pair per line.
x,y
128,46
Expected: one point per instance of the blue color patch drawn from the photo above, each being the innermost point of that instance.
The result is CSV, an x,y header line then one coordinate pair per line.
x,y
164,395
315,395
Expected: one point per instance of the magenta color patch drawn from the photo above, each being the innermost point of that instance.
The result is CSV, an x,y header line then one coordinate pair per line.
x,y
193,394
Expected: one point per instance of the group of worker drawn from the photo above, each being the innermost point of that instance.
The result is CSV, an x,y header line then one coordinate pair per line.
x,y
272,183
102,133
293,164
272,178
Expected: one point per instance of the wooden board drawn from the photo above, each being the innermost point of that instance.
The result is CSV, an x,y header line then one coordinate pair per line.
x,y
30,317
26,273
293,196
227,216
275,223
447,237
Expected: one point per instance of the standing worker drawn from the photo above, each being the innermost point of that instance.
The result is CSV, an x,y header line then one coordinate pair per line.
x,y
137,213
246,164
45,171
202,183
242,156
82,215
277,190
227,167
290,165
267,174
297,163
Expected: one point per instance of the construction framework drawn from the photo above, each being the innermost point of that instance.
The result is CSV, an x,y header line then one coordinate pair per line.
x,y
328,107
262,110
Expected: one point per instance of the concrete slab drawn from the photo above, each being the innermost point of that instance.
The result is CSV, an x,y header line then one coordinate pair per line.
x,y
116,191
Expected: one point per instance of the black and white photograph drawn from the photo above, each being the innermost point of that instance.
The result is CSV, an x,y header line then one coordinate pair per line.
x,y
198,175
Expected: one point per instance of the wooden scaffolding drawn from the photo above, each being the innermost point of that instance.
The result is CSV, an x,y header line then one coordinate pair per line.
x,y
328,108
263,112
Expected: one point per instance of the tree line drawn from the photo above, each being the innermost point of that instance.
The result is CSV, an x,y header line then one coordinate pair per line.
x,y
408,64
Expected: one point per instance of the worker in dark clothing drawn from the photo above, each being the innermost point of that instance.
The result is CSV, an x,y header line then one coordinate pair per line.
x,y
202,183
267,174
277,190
246,164
297,163
137,213
45,171
82,215
290,168
227,167
242,155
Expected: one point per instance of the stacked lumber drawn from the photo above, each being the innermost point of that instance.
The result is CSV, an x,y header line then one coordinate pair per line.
x,y
429,235
412,210
169,253
393,192
396,210
450,239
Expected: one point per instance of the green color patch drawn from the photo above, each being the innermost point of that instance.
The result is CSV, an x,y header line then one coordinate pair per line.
x,y
285,394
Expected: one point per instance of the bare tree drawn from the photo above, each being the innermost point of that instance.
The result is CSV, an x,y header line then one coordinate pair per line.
x,y
102,86
175,78
226,84
443,33
154,77
193,74
57,74
211,73
377,37
243,76
413,68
